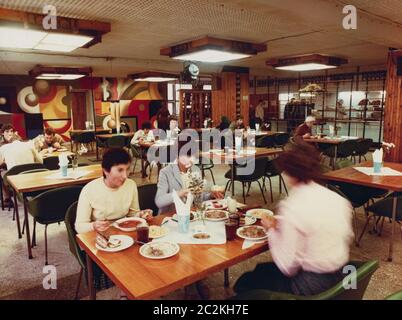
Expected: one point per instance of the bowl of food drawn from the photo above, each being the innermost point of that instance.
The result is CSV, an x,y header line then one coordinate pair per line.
x,y
259,213
216,204
156,232
216,215
251,233
129,224
112,243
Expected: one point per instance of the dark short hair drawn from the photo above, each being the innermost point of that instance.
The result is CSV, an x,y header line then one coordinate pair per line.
x,y
173,118
6,127
146,125
114,157
301,162
50,131
240,117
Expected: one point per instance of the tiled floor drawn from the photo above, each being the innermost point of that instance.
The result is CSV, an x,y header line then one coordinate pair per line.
x,y
21,278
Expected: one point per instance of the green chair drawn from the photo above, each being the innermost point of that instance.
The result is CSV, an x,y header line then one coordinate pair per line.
x,y
207,166
395,296
270,172
50,207
116,142
338,292
146,197
136,153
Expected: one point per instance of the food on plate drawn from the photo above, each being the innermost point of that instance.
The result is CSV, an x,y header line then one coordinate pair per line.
x,y
216,214
259,213
201,235
157,231
104,240
217,188
129,224
155,252
252,232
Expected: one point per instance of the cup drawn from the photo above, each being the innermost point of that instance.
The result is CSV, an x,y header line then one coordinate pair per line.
x,y
183,222
235,218
63,170
377,167
230,228
74,163
142,234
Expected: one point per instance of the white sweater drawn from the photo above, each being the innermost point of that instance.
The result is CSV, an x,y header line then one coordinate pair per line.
x,y
314,231
99,202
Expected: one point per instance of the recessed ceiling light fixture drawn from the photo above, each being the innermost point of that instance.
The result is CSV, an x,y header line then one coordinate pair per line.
x,y
59,73
24,30
213,50
153,76
308,62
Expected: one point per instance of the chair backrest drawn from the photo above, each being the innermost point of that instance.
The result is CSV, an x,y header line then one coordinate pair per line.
x,y
362,146
395,296
116,142
146,197
85,137
135,151
21,168
265,142
346,148
51,163
69,220
281,139
51,206
260,165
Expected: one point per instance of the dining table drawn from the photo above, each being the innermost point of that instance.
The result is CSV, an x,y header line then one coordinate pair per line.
x,y
42,181
392,183
232,157
142,278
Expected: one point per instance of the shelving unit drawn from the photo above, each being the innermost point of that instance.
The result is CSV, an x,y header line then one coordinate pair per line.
x,y
195,107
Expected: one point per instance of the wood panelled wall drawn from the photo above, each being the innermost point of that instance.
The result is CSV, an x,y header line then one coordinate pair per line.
x,y
393,107
224,100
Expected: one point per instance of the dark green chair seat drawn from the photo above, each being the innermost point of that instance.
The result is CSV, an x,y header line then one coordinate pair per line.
x,y
272,171
365,270
146,197
50,207
395,296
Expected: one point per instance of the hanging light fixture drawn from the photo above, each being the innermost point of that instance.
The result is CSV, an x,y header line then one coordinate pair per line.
x,y
308,62
154,76
59,73
212,50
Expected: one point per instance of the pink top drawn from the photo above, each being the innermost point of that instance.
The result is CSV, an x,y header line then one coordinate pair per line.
x,y
314,231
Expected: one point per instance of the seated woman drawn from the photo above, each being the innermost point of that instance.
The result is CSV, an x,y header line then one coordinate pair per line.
x,y
310,236
145,134
109,197
174,177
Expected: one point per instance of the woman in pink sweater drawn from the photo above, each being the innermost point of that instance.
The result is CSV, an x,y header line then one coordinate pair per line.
x,y
309,238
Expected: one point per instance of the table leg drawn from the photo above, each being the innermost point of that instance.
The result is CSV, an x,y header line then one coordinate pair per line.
x,y
97,150
335,157
226,281
143,173
91,287
391,243
232,178
28,234
17,215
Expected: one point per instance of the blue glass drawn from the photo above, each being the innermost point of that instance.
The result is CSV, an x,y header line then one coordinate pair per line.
x,y
184,223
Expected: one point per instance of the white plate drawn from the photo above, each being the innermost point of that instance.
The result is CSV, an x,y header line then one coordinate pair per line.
x,y
126,242
257,213
217,219
248,151
140,220
216,150
156,232
169,248
248,238
248,221
210,204
175,218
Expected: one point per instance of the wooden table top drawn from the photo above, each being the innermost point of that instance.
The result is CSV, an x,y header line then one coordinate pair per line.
x,y
260,152
57,153
350,175
328,140
39,181
109,135
142,278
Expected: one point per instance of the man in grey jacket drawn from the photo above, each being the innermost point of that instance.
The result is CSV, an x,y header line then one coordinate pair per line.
x,y
174,177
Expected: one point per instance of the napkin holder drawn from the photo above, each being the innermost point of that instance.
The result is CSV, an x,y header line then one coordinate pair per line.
x,y
183,211
377,160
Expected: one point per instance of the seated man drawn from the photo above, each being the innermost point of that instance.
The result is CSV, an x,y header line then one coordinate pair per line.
x,y
305,129
16,153
143,135
50,139
174,127
238,124
8,134
110,197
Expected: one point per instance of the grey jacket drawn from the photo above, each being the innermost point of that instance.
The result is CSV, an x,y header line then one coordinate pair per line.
x,y
169,180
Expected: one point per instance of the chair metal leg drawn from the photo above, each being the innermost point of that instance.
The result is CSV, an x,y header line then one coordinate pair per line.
x,y
284,185
262,191
226,187
355,226
244,195
33,244
270,189
248,189
77,290
46,262
382,225
226,282
212,175
364,229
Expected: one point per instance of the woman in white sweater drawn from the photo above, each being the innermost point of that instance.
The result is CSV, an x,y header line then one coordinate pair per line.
x,y
310,236
109,197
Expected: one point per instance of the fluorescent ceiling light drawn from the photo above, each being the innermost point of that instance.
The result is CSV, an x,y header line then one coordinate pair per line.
x,y
306,67
20,38
156,79
212,55
55,76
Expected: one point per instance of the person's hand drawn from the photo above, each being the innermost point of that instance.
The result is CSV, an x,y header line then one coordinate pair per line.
x,y
56,145
307,135
101,225
146,214
183,193
217,195
268,222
